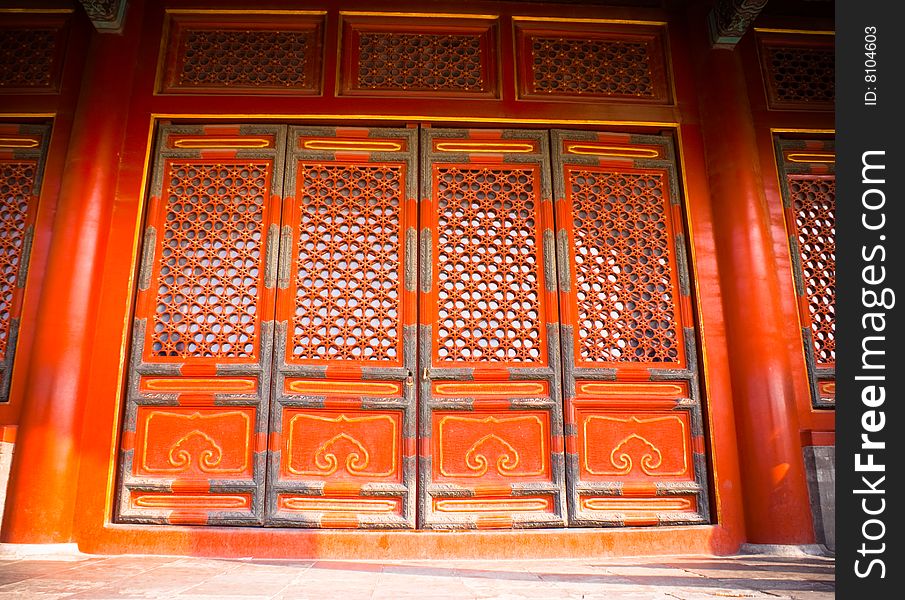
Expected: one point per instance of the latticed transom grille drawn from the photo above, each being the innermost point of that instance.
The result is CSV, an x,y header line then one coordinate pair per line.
x,y
563,65
26,57
813,205
488,284
624,275
17,181
210,259
259,58
802,74
420,62
348,296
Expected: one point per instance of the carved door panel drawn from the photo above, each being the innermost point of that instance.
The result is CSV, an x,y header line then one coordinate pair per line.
x,y
490,415
342,442
195,425
634,435
22,154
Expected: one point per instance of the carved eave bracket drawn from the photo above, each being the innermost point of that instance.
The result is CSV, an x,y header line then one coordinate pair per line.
x,y
106,15
730,19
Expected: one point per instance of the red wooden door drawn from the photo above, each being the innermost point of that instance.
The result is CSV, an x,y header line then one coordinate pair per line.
x,y
490,414
635,438
342,442
195,426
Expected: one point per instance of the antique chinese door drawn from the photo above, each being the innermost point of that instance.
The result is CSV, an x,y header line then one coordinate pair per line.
x,y
490,429
634,432
326,349
342,440
195,427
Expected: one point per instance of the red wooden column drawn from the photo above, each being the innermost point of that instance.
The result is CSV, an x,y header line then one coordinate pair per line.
x,y
42,487
773,478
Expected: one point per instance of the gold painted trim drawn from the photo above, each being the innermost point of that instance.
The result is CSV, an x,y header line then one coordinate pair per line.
x,y
812,157
240,11
344,388
202,143
775,130
191,501
617,504
579,20
623,151
416,15
42,11
199,384
670,390
19,143
414,118
126,338
197,417
488,147
482,389
49,115
491,504
352,145
795,31
356,505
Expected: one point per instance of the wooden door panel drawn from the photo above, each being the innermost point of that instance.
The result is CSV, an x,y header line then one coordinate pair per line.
x,y
635,450
23,149
490,416
342,449
195,426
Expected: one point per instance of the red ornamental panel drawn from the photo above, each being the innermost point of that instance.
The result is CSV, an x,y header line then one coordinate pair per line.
x,y
809,194
799,70
22,155
490,423
626,317
343,411
194,436
31,53
575,61
418,56
269,52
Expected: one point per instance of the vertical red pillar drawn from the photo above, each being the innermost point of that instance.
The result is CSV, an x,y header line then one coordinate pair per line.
x,y
773,478
42,488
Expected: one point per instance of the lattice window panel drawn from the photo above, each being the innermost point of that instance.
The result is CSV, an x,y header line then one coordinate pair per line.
x,y
631,381
446,57
799,72
348,303
22,155
252,54
31,55
577,63
809,197
622,236
210,271
487,272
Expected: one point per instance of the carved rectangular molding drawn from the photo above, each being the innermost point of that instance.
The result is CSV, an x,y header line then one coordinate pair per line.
x,y
31,52
419,56
798,70
562,60
244,52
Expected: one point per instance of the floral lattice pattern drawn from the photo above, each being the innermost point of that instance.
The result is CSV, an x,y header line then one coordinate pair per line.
x,y
348,294
813,206
420,62
17,181
624,276
591,66
489,306
26,57
207,294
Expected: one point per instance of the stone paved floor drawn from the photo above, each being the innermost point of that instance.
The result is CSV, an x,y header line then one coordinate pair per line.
x,y
659,578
